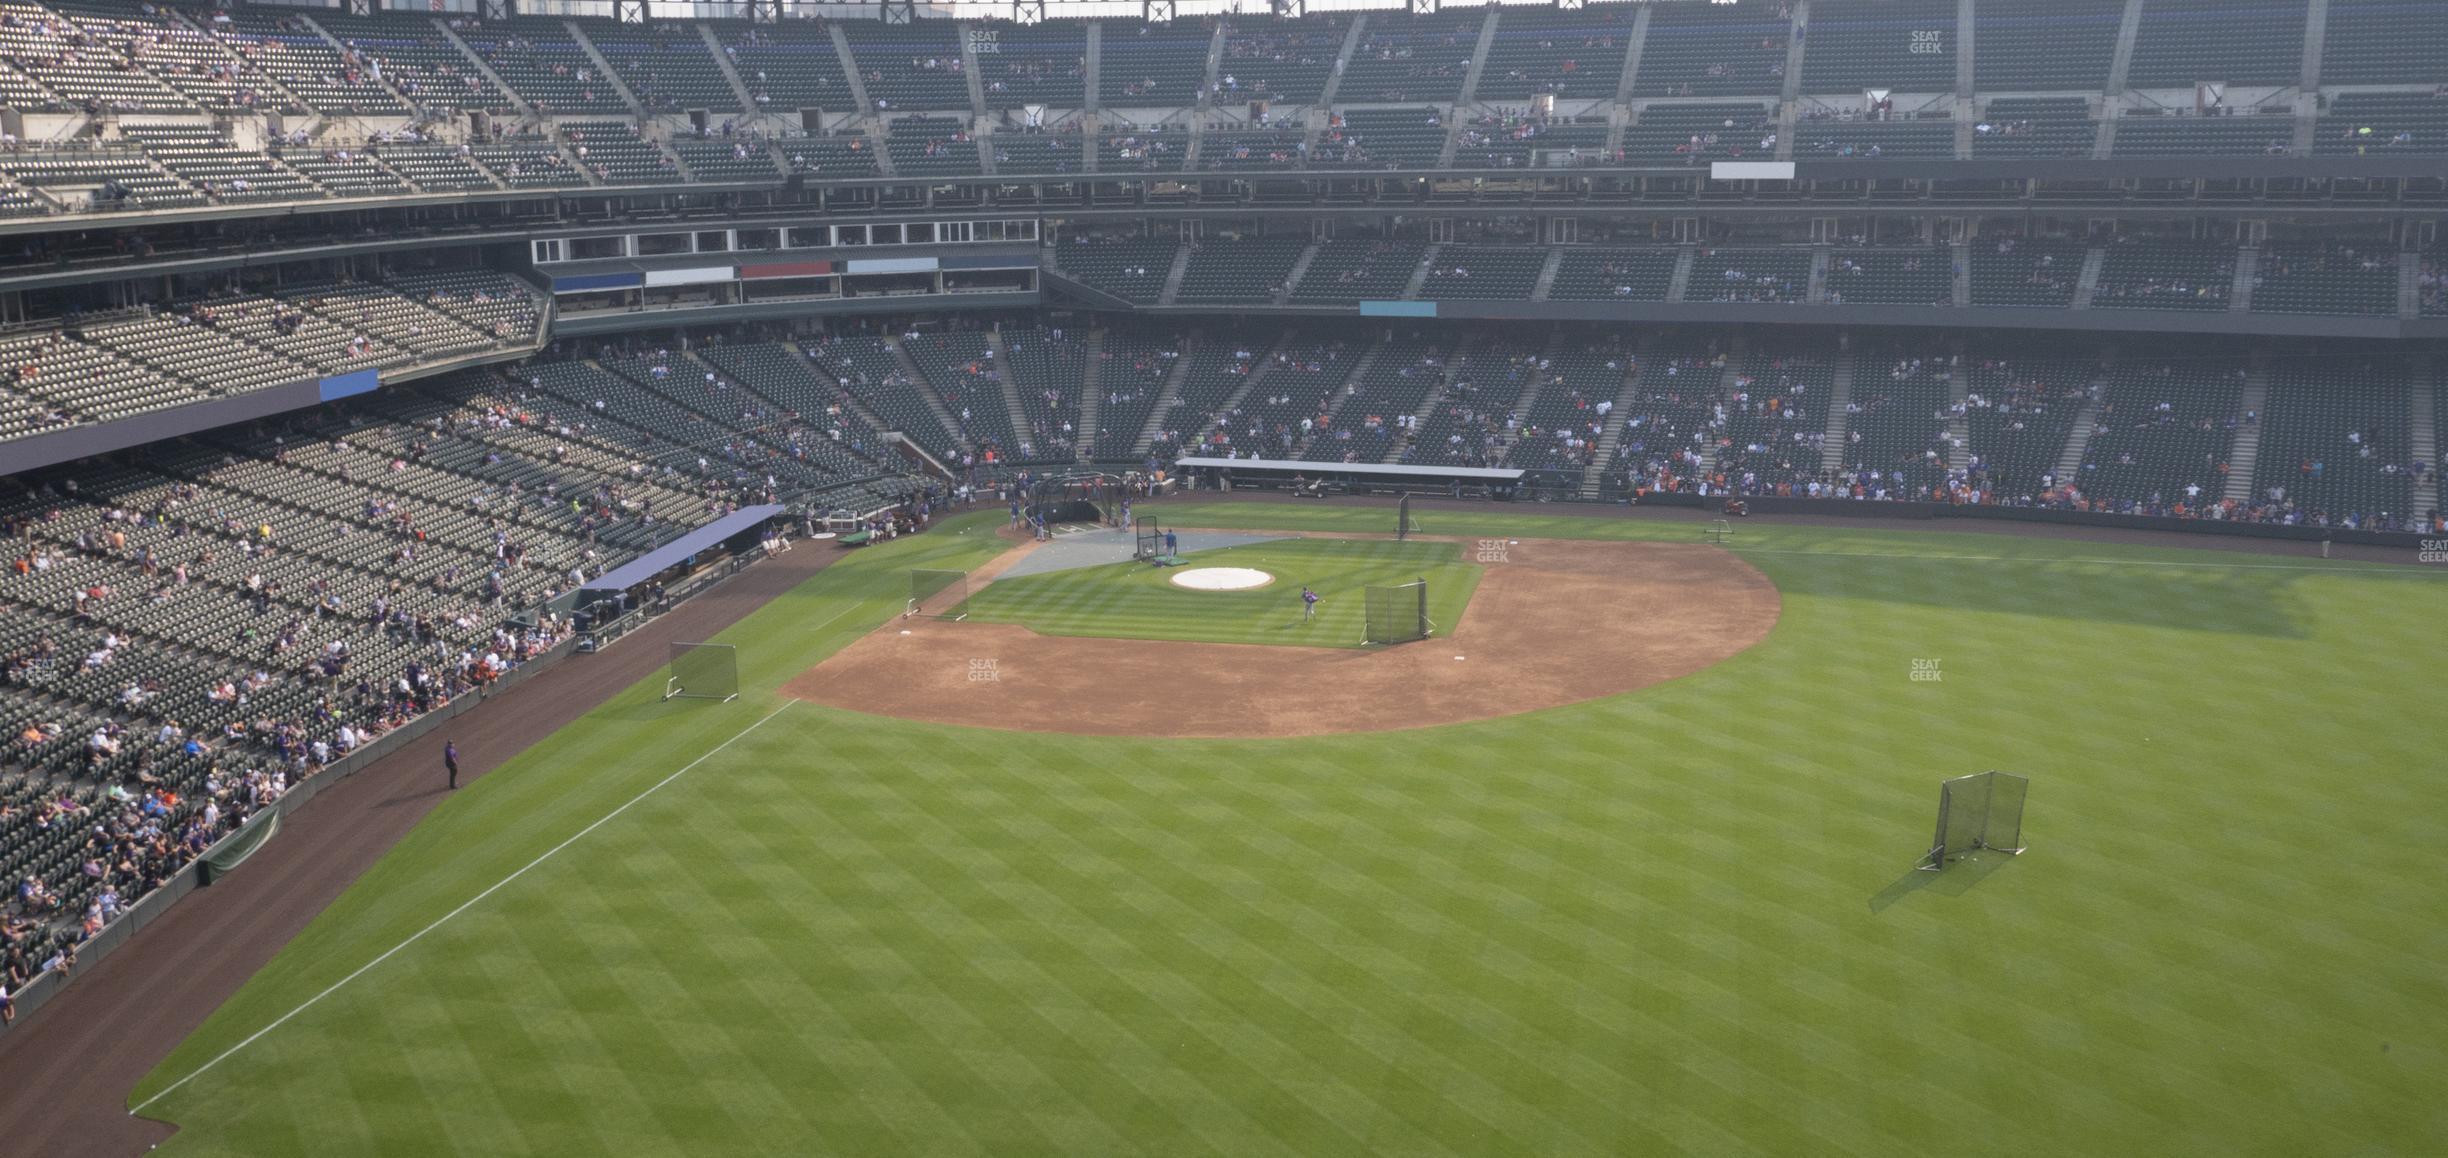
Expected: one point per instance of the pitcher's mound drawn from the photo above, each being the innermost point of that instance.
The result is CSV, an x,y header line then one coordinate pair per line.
x,y
1557,622
1221,578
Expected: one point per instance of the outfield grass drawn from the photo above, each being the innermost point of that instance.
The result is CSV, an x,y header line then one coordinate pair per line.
x,y
1678,921
1136,601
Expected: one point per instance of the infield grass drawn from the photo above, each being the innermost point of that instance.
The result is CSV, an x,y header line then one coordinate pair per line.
x,y
1680,921
1137,601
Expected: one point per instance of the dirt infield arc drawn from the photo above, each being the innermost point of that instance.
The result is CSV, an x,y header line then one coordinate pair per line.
x,y
1555,622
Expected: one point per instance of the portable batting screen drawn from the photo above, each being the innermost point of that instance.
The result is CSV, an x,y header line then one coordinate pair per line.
x,y
1147,540
938,594
1403,526
703,671
1983,810
1397,614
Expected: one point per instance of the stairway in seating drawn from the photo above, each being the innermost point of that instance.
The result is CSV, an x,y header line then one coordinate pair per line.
x,y
1300,269
1011,388
1547,274
926,392
1168,396
1249,382
1092,393
2424,442
1478,63
2087,285
1840,395
1610,432
1454,363
1173,275
849,401
2247,272
1342,394
2247,449
2078,441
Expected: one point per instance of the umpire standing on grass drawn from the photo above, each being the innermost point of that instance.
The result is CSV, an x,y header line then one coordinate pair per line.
x,y
450,760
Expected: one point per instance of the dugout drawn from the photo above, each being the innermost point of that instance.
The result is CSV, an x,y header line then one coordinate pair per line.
x,y
1354,478
606,596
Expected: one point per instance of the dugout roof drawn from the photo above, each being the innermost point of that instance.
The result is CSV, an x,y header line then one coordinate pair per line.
x,y
1387,469
673,553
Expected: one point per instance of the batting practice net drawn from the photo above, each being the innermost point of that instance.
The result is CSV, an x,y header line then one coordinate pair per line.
x,y
1147,540
1983,810
1397,614
702,671
938,594
1403,526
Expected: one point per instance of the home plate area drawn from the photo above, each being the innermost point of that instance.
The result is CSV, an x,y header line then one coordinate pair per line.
x,y
1557,622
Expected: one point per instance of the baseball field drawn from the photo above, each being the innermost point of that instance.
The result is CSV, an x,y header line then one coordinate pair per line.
x,y
1671,912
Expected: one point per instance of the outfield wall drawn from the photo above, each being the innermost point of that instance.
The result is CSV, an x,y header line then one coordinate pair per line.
x,y
1250,476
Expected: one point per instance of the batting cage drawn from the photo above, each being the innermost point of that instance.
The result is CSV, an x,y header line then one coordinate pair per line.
x,y
938,594
702,671
1397,614
1983,810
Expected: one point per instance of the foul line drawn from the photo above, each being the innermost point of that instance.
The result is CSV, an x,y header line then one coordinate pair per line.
x,y
497,886
2312,570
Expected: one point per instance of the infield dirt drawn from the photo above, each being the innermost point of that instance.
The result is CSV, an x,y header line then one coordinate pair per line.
x,y
1556,622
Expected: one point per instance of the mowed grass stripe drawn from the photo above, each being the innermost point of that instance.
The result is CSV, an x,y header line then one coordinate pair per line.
x,y
1134,600
1678,921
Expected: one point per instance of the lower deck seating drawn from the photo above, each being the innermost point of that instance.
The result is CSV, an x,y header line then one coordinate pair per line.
x,y
1294,387
2164,432
1776,409
1131,370
2334,443
2020,410
1379,402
